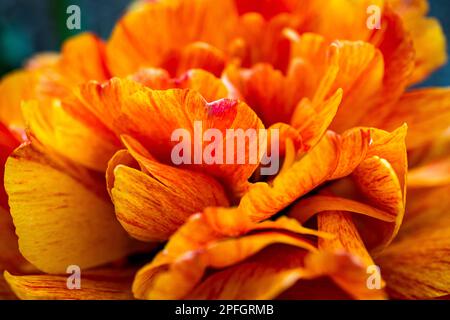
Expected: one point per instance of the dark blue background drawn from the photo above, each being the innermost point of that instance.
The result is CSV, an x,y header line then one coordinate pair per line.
x,y
29,26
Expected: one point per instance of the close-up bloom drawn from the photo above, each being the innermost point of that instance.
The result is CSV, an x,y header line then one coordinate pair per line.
x,y
231,149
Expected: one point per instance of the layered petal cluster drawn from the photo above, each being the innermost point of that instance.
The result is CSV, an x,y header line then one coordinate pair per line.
x,y
357,210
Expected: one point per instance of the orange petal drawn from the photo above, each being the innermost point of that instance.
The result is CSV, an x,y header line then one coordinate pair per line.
x,y
263,276
210,87
262,41
201,55
14,88
5,291
380,188
151,205
398,52
427,113
83,59
428,36
354,145
268,8
392,147
286,132
313,119
307,207
436,173
344,270
186,270
347,238
99,284
377,181
265,199
121,157
415,265
266,91
349,65
155,34
57,129
360,77
53,204
128,107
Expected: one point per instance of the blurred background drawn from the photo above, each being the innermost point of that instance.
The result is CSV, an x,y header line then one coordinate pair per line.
x,y
30,26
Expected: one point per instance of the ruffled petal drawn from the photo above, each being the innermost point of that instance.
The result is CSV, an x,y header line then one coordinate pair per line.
x,y
57,129
173,277
152,204
128,108
60,214
427,34
210,87
265,199
155,34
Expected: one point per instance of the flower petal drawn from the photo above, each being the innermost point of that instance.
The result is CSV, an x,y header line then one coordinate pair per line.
x,y
152,204
397,47
415,266
307,207
14,88
436,173
428,36
313,119
186,270
265,199
154,34
57,129
128,107
201,55
354,145
262,276
99,284
427,113
60,216
83,59
5,291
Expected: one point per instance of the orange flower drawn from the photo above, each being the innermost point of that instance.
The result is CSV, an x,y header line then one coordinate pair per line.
x,y
96,170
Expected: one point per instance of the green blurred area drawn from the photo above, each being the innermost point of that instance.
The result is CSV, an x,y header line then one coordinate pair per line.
x,y
31,26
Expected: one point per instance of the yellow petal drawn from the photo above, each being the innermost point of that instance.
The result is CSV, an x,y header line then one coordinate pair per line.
x,y
57,129
60,213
